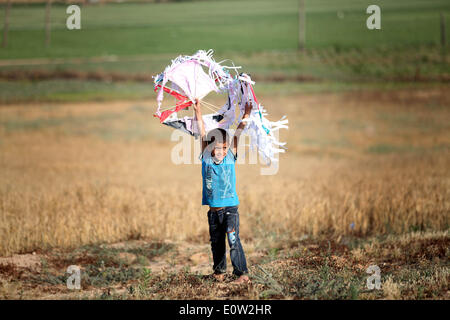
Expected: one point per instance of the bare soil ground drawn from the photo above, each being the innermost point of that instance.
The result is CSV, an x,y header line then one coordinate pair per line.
x,y
413,266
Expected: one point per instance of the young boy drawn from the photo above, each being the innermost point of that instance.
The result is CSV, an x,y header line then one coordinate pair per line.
x,y
219,192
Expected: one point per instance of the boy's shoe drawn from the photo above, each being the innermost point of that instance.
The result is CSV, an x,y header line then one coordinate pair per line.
x,y
219,276
242,279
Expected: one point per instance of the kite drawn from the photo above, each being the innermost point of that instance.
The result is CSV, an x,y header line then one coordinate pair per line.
x,y
189,78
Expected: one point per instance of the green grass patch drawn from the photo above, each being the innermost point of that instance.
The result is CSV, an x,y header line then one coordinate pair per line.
x,y
260,35
244,25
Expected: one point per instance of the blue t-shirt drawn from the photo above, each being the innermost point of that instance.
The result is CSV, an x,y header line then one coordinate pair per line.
x,y
219,181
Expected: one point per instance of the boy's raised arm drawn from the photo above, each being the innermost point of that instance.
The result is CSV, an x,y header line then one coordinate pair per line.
x,y
200,123
241,126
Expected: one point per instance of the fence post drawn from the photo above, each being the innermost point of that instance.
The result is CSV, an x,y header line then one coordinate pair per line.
x,y
6,24
47,22
301,25
443,39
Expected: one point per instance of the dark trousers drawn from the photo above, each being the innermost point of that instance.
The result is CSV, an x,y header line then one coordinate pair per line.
x,y
225,223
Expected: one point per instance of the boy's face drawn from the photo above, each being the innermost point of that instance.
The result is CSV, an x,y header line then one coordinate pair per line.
x,y
220,151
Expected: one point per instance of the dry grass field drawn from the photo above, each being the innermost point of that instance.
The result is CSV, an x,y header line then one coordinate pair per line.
x,y
366,179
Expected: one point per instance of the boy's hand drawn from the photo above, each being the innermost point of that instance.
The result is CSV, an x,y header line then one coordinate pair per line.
x,y
241,126
199,120
248,109
197,105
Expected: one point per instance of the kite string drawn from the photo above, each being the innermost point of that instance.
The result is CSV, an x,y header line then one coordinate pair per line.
x,y
211,105
210,108
171,107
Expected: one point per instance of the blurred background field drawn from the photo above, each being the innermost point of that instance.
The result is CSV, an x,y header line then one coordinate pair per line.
x,y
121,45
84,162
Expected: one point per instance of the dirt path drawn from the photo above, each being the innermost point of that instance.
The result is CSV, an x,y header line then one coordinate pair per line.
x,y
106,267
413,266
